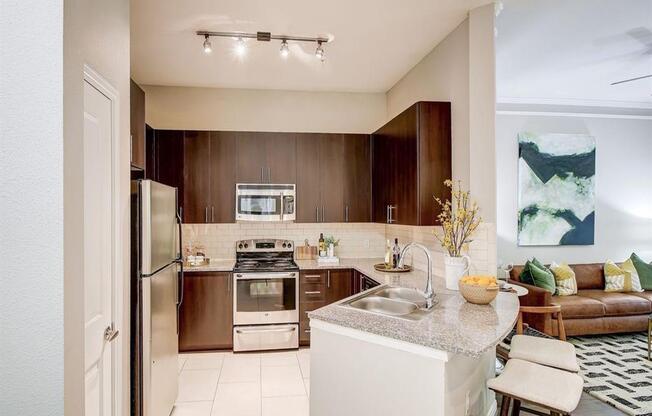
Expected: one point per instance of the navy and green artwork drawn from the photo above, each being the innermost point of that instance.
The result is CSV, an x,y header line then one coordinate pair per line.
x,y
556,181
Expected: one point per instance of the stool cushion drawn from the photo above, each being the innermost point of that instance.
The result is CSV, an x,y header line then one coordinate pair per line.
x,y
544,351
554,389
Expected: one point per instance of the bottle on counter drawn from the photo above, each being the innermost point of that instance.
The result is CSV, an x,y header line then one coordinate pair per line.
x,y
396,254
322,245
388,255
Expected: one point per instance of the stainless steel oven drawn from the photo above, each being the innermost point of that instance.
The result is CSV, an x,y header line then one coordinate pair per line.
x,y
265,202
266,298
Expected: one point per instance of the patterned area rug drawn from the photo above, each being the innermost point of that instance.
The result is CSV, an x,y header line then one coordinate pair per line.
x,y
615,369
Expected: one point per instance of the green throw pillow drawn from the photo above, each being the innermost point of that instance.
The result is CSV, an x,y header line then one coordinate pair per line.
x,y
644,271
535,273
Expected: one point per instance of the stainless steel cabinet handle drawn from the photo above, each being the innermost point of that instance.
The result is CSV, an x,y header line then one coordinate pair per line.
x,y
346,213
269,175
317,214
328,279
313,292
322,214
312,275
262,175
206,214
256,331
212,214
110,334
390,215
306,331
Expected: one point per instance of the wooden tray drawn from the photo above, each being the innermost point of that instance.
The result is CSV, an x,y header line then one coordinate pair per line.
x,y
381,268
305,253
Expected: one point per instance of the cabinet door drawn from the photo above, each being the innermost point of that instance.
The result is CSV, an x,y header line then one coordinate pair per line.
x,y
222,180
308,202
137,119
196,177
281,157
404,168
381,176
251,158
357,178
332,178
206,314
167,166
339,284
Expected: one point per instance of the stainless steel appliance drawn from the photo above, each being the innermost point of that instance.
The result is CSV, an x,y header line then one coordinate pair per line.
x,y
156,294
265,202
266,296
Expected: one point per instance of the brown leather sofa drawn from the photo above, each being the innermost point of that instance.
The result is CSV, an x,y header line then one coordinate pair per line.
x,y
592,310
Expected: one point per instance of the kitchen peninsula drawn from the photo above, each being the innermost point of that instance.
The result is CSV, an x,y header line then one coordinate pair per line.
x,y
436,365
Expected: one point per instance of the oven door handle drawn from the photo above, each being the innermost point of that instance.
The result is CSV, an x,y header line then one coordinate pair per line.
x,y
241,276
257,331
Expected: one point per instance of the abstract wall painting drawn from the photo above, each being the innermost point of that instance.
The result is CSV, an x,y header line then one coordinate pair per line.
x,y
556,189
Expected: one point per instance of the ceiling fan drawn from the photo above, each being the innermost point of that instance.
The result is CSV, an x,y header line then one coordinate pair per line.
x,y
643,35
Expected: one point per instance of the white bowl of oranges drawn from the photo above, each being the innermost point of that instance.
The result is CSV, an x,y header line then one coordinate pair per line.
x,y
480,290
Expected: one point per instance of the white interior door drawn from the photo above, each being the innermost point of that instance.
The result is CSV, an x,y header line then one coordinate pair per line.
x,y
98,253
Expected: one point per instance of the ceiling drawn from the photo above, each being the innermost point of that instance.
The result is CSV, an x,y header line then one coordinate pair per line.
x,y
568,52
375,43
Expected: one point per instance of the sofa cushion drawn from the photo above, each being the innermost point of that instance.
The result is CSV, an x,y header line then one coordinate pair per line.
x,y
577,306
564,279
619,304
535,273
589,276
645,295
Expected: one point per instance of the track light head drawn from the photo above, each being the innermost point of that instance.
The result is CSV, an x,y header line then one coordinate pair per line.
x,y
285,49
208,48
240,46
319,52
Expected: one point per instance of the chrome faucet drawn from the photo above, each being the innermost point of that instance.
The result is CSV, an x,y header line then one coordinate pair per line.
x,y
428,292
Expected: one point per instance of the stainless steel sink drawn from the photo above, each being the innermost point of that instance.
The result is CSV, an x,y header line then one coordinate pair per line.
x,y
397,302
384,305
403,293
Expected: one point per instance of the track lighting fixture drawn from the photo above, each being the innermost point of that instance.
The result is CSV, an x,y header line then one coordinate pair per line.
x,y
207,45
285,49
241,47
319,52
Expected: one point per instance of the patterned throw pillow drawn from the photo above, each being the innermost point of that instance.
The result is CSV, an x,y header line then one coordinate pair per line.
x,y
564,279
628,265
644,271
616,278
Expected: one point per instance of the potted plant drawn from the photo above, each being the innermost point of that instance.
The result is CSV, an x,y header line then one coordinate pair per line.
x,y
459,219
331,243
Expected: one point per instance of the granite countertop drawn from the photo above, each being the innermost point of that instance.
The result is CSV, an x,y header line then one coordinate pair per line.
x,y
454,325
215,265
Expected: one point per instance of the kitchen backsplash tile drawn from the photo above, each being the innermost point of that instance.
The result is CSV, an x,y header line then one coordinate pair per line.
x,y
357,240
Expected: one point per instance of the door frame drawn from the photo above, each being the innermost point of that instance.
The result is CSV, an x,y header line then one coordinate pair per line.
x,y
117,313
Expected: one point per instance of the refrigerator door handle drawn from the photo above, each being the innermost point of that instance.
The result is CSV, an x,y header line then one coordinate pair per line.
x,y
180,281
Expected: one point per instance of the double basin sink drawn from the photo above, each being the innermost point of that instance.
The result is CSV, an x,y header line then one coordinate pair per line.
x,y
399,302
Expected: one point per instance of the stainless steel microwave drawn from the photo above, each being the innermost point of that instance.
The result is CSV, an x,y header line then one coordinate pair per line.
x,y
265,202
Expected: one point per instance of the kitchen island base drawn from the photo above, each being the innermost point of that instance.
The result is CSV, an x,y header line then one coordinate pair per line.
x,y
362,374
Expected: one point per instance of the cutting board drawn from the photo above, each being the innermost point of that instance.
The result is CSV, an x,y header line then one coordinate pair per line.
x,y
305,252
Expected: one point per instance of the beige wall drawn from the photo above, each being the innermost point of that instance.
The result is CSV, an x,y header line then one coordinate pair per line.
x,y
263,110
96,33
443,75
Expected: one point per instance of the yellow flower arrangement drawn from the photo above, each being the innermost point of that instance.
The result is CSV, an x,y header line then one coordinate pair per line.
x,y
459,219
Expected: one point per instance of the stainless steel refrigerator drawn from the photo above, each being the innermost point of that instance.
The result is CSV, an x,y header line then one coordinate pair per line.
x,y
156,295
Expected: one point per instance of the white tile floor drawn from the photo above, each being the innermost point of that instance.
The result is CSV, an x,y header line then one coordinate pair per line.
x,y
259,384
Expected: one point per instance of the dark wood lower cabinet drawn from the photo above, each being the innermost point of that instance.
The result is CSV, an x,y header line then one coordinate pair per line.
x,y
206,314
318,288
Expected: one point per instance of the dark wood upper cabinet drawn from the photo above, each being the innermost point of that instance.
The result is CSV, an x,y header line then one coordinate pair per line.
x,y
206,314
164,150
196,177
308,173
266,157
137,120
411,158
357,178
332,173
222,176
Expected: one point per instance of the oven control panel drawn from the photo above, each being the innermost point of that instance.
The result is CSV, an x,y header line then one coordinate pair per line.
x,y
263,245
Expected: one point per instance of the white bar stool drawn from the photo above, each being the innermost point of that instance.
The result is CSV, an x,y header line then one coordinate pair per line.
x,y
555,390
544,351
